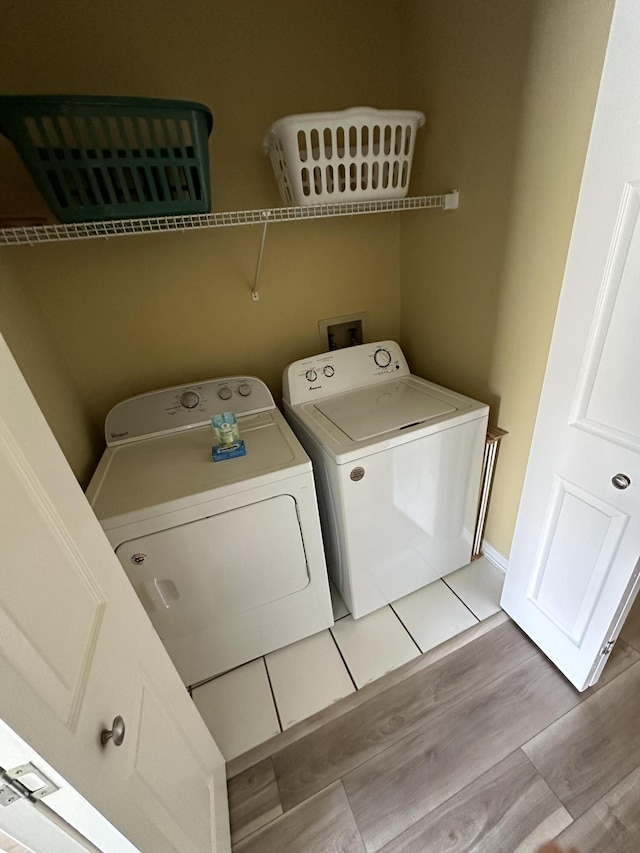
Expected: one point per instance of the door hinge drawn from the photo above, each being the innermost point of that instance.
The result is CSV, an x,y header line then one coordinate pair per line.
x,y
24,782
607,649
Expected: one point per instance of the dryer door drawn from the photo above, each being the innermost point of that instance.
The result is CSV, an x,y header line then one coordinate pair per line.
x,y
209,586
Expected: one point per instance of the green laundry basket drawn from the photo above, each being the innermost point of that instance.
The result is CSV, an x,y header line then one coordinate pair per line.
x,y
97,157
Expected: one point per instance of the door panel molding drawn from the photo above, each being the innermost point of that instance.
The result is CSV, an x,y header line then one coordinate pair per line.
x,y
186,795
607,528
625,240
55,653
575,544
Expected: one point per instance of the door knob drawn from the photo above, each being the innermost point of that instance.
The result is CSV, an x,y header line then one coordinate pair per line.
x,y
621,481
116,734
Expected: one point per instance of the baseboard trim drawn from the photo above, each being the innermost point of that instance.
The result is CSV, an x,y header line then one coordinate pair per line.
x,y
494,556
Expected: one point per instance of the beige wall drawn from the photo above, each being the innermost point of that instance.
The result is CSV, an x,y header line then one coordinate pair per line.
x,y
28,336
134,314
509,89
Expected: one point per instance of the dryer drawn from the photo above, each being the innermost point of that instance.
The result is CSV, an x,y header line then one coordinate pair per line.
x,y
398,463
225,556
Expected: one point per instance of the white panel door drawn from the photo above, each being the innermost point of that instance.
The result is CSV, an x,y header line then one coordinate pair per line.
x,y
573,568
77,649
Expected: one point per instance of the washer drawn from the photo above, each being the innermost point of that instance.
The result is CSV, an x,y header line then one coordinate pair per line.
x,y
397,461
225,556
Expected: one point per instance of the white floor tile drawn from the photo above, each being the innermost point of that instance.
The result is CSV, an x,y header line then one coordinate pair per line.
x,y
307,676
374,644
238,708
340,609
433,614
479,585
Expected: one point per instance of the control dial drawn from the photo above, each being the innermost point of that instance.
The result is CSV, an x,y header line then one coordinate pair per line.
x,y
244,389
329,370
225,393
382,357
189,399
311,375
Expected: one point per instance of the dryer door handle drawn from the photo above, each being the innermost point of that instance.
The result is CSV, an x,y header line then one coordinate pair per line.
x,y
161,593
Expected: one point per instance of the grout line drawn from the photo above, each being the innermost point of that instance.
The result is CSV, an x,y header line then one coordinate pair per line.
x,y
475,615
413,639
369,691
344,616
273,694
197,684
337,591
344,660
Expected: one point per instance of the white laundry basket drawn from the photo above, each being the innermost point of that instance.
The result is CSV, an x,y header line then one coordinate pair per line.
x,y
360,154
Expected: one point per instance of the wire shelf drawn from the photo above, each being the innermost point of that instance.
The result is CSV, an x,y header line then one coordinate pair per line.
x,y
35,234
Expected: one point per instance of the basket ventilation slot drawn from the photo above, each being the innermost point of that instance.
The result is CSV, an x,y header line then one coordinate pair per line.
x,y
81,148
381,142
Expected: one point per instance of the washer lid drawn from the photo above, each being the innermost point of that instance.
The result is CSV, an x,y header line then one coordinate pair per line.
x,y
369,412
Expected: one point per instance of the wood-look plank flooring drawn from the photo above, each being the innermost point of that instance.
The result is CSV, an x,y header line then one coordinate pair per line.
x,y
253,799
346,743
488,750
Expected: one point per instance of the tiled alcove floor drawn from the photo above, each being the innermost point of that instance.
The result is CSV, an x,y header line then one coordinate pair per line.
x,y
250,704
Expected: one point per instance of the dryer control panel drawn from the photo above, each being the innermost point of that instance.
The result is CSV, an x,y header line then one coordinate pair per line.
x,y
342,370
184,407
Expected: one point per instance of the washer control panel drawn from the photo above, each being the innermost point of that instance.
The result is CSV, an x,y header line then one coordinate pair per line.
x,y
189,399
342,370
185,407
382,357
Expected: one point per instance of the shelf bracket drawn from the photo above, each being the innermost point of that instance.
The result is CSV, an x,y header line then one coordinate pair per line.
x,y
254,290
451,200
